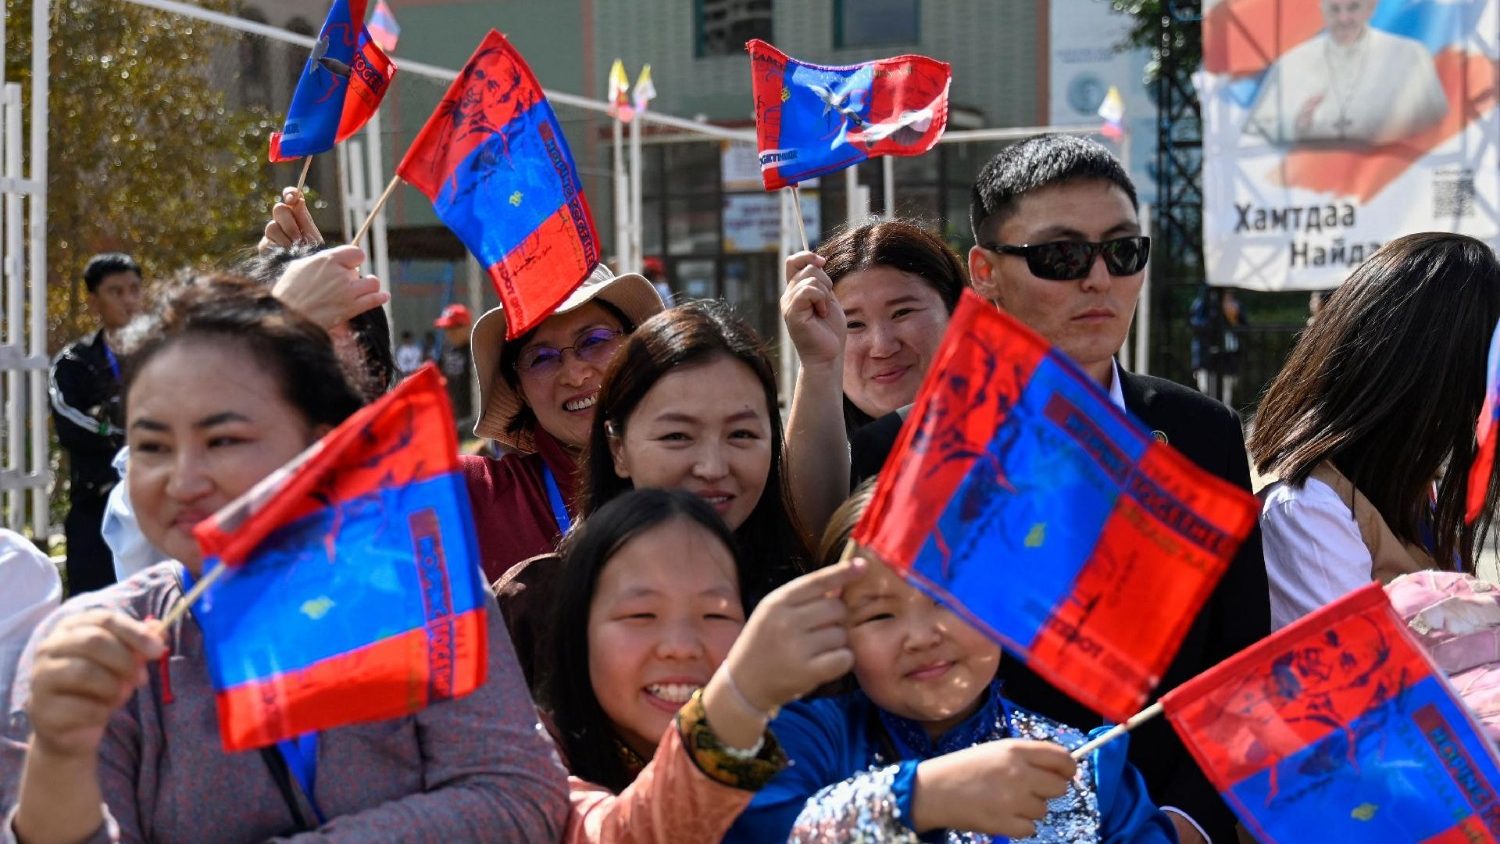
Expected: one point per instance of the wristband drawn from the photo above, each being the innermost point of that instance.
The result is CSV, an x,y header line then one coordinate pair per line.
x,y
734,689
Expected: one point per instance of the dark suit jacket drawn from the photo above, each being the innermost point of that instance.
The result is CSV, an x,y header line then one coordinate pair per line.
x,y
1237,614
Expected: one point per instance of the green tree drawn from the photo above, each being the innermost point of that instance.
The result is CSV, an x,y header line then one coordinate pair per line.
x,y
147,152
1149,30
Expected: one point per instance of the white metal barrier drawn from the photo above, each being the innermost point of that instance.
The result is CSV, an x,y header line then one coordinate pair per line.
x,y
25,474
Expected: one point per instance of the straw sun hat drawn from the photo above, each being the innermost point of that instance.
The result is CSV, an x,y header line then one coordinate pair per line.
x,y
632,294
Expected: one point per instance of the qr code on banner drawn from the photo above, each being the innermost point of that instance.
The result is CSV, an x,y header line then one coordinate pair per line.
x,y
1453,194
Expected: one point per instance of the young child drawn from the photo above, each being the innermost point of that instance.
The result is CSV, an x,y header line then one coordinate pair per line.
x,y
927,744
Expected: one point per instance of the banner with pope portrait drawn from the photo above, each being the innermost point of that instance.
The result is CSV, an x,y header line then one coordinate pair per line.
x,y
1333,126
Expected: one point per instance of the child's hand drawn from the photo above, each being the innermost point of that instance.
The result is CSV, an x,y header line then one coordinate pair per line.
x,y
997,788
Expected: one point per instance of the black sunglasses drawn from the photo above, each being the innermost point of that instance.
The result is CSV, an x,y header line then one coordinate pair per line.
x,y
1071,260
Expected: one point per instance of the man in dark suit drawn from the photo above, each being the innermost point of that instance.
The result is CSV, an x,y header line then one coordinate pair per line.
x,y
1059,246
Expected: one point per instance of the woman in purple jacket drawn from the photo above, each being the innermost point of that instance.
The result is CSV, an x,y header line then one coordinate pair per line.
x,y
113,731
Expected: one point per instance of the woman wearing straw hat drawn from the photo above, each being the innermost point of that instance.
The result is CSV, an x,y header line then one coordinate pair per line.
x,y
536,398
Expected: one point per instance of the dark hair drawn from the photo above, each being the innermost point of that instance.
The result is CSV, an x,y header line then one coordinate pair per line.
x,y
229,309
1386,384
687,335
841,524
900,245
589,742
371,328
107,264
510,352
1033,164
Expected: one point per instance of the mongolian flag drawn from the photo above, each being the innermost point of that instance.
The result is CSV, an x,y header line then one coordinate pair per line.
x,y
341,86
1485,433
356,594
1340,728
383,27
811,120
1022,498
496,166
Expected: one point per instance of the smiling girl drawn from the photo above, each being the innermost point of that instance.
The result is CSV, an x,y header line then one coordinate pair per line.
x,y
659,689
926,743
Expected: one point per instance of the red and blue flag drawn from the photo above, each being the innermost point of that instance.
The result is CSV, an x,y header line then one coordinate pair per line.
x,y
1486,430
1022,498
340,88
494,162
811,120
356,594
1339,727
383,27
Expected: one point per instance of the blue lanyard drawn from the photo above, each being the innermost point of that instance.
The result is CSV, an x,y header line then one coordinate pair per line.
x,y
114,362
300,753
554,494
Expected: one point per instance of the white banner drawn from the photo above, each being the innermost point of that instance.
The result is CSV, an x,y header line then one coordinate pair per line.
x,y
1333,126
1087,57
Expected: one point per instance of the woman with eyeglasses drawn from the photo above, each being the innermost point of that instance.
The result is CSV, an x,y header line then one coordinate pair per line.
x,y
536,398
866,313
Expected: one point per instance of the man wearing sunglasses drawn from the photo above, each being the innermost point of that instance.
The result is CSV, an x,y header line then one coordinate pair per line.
x,y
1059,246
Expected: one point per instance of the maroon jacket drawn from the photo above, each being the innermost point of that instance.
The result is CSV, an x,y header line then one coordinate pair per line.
x,y
512,511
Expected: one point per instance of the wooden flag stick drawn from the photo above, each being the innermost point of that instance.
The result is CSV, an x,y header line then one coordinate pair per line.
x,y
1118,730
379,204
797,212
302,179
180,609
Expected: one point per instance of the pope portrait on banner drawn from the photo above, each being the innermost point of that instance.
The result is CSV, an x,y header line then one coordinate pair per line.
x,y
1352,83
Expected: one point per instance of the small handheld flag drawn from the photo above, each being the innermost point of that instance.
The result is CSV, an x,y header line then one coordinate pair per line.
x,y
494,162
619,93
1019,496
356,594
340,88
383,27
1485,433
1112,111
811,120
644,92
1338,727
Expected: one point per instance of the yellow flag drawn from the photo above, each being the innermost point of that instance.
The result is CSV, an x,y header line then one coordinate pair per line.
x,y
619,92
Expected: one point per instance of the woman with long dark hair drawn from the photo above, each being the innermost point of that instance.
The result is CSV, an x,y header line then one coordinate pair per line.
x,y
690,403
1369,428
658,688
867,313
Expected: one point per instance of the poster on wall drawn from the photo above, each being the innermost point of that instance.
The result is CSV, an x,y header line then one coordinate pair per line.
x,y
1334,126
1088,56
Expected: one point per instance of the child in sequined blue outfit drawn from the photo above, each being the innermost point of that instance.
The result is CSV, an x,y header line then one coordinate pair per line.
x,y
927,749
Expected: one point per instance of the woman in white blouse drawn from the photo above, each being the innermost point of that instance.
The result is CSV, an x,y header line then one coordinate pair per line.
x,y
1368,431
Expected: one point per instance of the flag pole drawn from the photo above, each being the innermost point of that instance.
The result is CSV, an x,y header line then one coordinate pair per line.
x,y
797,214
379,204
306,166
180,608
1117,730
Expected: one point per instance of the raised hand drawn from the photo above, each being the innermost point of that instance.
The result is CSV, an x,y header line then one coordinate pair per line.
x,y
291,223
327,288
794,642
812,314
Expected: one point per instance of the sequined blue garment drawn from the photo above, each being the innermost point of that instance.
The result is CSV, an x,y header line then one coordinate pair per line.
x,y
853,767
